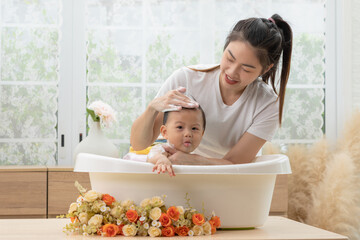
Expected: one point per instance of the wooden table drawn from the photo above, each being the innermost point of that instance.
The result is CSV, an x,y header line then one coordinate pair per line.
x,y
274,228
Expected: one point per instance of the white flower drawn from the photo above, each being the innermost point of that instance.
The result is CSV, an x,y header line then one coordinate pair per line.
x,y
156,201
78,204
118,222
104,112
155,213
154,223
73,207
180,209
103,208
158,224
84,227
142,219
129,230
198,230
213,213
127,203
146,225
191,233
80,199
145,202
108,209
207,228
96,220
116,211
132,207
154,232
91,196
85,234
83,217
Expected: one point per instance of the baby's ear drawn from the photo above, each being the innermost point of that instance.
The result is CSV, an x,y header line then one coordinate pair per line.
x,y
163,131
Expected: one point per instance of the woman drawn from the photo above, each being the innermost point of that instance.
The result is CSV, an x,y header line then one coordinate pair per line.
x,y
242,110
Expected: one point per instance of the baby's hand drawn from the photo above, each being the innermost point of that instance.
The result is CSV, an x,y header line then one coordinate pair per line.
x,y
164,165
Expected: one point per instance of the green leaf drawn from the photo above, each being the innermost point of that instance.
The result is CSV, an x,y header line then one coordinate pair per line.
x,y
94,117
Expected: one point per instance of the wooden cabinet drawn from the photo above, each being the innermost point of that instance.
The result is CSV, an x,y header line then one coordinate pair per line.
x,y
61,189
23,192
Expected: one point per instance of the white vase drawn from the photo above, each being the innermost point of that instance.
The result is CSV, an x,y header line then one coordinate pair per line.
x,y
96,143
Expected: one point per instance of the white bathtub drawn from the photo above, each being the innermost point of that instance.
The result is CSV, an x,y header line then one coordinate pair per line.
x,y
239,194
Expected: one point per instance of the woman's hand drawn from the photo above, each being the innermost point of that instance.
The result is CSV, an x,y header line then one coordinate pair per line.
x,y
178,157
173,100
181,158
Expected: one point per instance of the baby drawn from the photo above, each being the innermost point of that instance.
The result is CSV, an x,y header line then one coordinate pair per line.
x,y
183,130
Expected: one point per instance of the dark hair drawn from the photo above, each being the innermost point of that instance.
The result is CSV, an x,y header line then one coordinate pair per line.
x,y
271,38
166,115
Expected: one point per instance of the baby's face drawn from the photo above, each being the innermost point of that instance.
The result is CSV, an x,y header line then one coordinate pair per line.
x,y
184,129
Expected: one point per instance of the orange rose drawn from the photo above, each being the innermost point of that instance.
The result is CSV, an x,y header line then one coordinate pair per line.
x,y
182,231
74,219
108,199
165,220
110,229
198,219
213,228
132,215
168,231
173,213
216,220
120,227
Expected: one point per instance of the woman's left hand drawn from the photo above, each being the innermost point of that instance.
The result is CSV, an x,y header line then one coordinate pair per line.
x,y
178,157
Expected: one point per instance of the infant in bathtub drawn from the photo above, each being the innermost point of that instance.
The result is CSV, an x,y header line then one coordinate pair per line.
x,y
183,131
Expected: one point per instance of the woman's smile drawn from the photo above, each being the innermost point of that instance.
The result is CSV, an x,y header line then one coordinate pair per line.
x,y
229,80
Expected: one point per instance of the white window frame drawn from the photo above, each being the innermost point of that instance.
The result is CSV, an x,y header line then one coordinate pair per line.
x,y
72,84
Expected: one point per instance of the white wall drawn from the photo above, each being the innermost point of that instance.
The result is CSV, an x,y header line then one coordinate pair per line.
x,y
355,54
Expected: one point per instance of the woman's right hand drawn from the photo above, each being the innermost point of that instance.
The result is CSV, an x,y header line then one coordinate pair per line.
x,y
173,100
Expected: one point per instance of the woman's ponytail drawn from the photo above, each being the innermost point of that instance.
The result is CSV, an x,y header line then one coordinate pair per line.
x,y
271,37
287,39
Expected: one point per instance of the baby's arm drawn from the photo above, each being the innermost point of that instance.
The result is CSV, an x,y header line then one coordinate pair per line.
x,y
158,157
162,164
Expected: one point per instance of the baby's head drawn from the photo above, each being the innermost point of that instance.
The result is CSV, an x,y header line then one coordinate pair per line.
x,y
184,129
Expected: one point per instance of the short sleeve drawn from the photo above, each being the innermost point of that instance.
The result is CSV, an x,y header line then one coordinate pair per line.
x,y
266,122
176,79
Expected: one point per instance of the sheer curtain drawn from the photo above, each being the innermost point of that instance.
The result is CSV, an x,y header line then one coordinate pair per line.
x,y
133,46
29,79
130,48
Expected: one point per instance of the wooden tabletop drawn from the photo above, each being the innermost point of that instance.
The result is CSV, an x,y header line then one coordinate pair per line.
x,y
274,228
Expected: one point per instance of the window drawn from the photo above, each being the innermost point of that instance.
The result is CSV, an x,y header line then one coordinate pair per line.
x,y
121,52
29,81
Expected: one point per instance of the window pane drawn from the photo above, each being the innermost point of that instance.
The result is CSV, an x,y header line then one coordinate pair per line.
x,y
174,14
29,54
28,111
30,11
119,13
114,56
28,153
168,51
29,81
303,115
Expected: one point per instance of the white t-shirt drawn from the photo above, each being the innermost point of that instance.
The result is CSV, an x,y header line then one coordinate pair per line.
x,y
255,112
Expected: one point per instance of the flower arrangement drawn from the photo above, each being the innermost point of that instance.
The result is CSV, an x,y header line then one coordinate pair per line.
x,y
96,213
101,112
